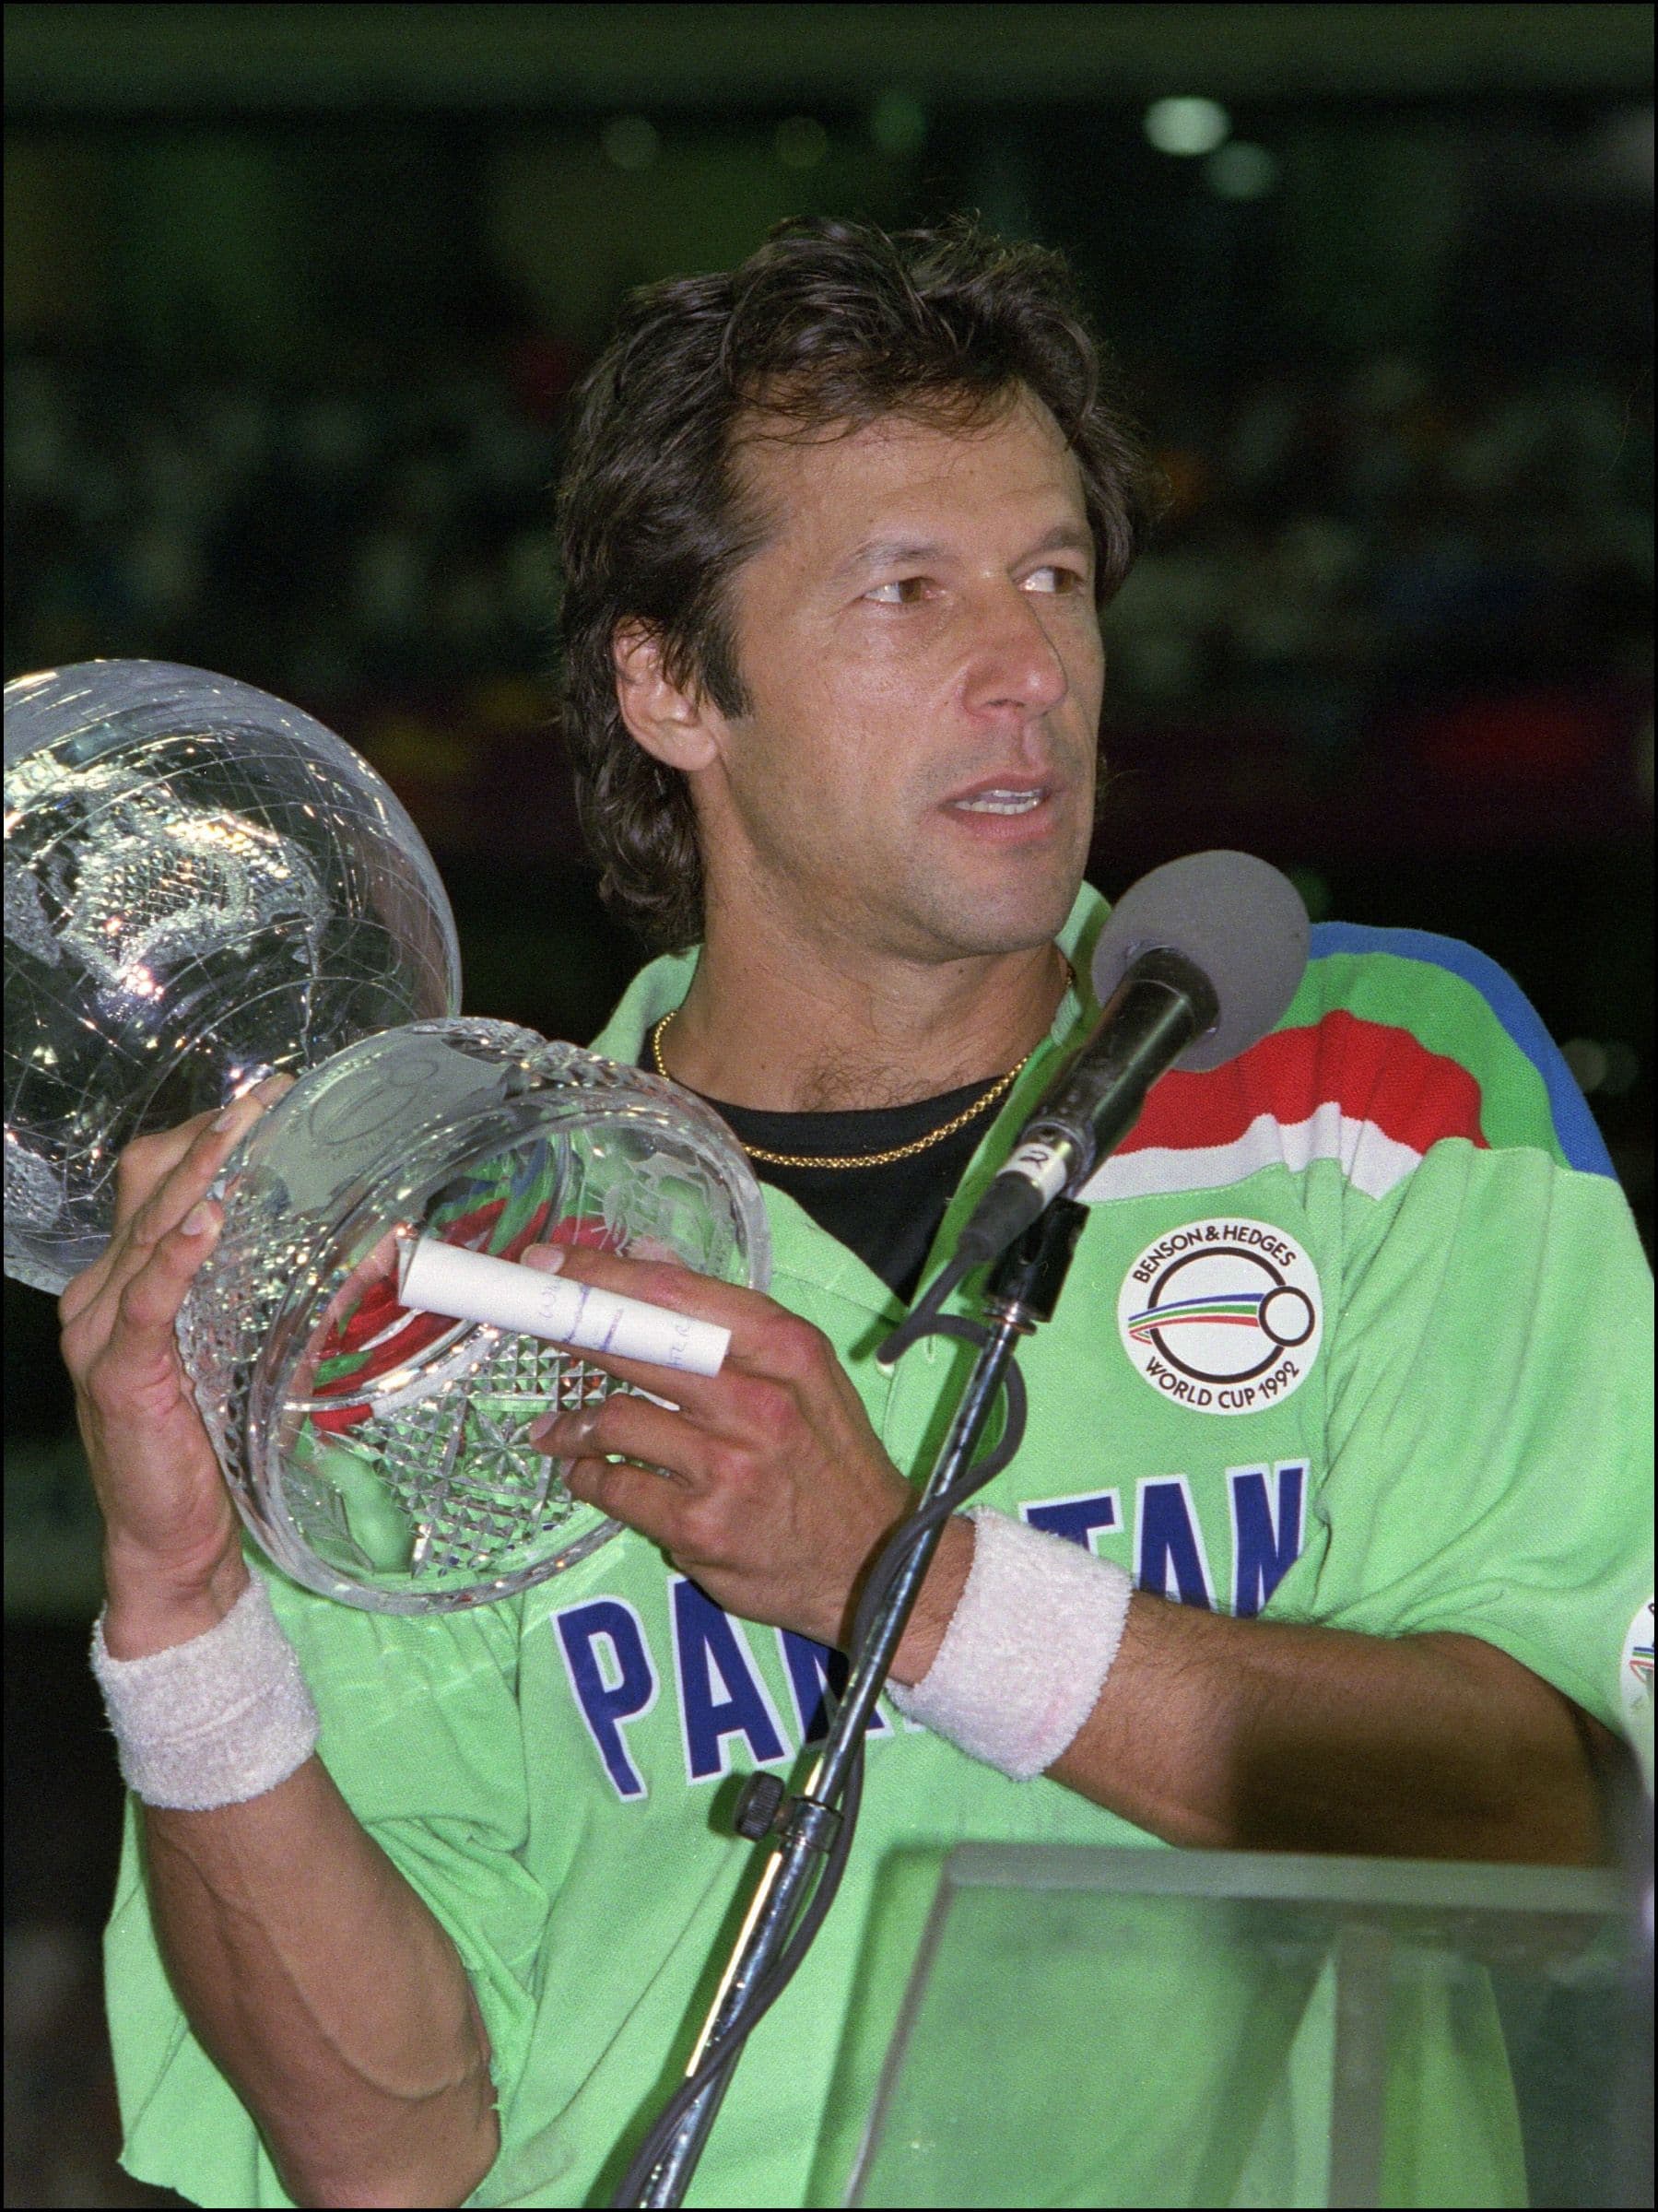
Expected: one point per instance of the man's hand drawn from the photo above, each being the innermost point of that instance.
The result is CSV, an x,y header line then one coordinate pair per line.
x,y
773,1493
172,1558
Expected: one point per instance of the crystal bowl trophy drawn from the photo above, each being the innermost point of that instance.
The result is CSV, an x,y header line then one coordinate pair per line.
x,y
205,887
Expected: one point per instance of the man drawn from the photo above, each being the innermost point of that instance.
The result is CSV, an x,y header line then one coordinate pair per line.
x,y
1330,1515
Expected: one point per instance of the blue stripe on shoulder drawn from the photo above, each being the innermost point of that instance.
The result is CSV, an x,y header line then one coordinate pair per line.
x,y
1575,1127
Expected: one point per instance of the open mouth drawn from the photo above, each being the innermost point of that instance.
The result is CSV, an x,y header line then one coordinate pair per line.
x,y
1011,800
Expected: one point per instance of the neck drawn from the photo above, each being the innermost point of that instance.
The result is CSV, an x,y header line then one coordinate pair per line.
x,y
798,1031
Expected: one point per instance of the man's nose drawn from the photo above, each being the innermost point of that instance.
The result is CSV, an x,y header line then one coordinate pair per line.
x,y
1014,660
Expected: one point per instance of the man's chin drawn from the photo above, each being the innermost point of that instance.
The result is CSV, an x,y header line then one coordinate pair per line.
x,y
1006,917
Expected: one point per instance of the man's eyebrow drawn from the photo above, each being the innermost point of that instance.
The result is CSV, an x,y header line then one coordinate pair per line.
x,y
882,552
879,552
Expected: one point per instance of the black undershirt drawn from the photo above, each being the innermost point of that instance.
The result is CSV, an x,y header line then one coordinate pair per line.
x,y
888,1214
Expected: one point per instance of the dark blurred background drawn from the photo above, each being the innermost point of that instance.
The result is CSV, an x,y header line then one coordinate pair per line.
x,y
295,298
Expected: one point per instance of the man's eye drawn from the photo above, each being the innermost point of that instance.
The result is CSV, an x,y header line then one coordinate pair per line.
x,y
1054,577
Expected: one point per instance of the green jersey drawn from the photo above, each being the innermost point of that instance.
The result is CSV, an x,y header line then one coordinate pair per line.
x,y
1358,1333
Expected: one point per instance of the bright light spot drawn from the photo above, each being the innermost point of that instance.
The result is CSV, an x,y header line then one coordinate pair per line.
x,y
801,143
1187,126
630,142
898,122
1240,171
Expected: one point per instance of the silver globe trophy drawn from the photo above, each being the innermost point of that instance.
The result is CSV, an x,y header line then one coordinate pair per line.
x,y
205,887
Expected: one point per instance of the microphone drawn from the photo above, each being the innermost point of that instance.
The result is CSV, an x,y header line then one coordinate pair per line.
x,y
1196,962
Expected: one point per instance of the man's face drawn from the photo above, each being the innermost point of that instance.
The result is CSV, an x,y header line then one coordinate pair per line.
x,y
919,647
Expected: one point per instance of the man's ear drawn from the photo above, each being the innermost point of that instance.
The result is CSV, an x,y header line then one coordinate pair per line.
x,y
673,728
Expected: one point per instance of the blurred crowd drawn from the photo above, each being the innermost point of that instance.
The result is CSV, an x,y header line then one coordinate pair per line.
x,y
1338,539
332,537
1344,540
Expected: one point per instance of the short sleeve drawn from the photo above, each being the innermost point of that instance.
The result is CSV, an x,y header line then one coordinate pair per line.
x,y
420,1728
1489,1425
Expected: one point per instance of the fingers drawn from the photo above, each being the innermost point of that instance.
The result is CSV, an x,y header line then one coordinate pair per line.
x,y
632,1495
658,1282
193,1175
149,1302
651,1497
149,1266
159,1179
147,1163
766,1339
631,1427
149,1159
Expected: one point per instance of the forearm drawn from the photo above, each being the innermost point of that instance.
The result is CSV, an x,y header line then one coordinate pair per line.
x,y
1252,1735
327,1994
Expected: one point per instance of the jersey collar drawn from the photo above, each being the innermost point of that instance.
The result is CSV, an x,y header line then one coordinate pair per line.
x,y
661,987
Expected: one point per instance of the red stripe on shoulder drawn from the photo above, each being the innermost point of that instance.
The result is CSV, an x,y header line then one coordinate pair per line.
x,y
1366,1070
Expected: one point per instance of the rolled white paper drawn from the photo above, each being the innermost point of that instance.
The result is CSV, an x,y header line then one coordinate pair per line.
x,y
435,1277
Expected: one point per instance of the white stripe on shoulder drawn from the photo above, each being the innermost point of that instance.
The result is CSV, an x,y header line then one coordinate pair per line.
x,y
1371,1161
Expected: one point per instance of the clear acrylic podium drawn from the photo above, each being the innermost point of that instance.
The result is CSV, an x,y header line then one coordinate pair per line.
x,y
1161,2027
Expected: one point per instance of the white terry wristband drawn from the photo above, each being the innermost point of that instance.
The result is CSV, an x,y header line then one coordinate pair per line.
x,y
220,1718
1028,1650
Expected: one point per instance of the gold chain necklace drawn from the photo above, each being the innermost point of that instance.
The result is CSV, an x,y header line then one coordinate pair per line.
x,y
862,1159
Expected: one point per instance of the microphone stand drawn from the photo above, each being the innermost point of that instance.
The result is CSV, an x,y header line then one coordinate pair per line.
x,y
1022,1293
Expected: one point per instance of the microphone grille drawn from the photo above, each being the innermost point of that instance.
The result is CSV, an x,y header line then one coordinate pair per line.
x,y
1232,916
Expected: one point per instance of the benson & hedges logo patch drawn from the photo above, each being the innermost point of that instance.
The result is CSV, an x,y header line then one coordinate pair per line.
x,y
1224,1316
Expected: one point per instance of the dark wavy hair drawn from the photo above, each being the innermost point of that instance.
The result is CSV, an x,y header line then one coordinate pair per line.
x,y
826,327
